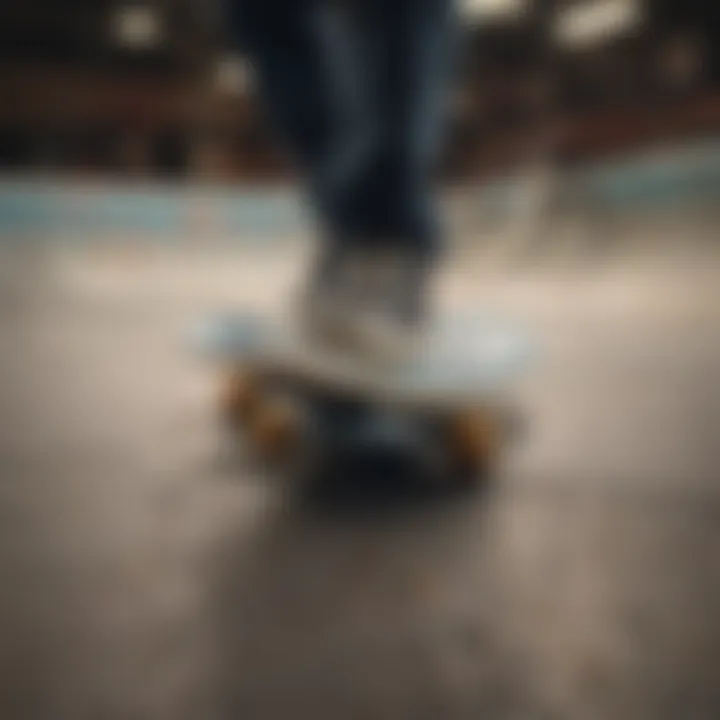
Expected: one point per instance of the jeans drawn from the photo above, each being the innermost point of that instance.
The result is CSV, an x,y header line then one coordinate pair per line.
x,y
356,88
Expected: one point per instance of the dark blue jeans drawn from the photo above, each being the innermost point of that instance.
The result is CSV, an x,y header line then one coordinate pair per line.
x,y
357,89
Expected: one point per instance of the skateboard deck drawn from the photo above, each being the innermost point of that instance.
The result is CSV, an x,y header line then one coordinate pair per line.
x,y
462,361
302,404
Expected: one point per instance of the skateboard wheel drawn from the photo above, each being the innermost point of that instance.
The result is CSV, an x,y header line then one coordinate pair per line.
x,y
275,426
241,394
474,442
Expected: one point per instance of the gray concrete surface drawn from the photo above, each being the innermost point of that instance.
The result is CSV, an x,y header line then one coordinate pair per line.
x,y
145,574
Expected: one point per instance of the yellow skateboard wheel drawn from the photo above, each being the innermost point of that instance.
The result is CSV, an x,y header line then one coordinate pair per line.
x,y
474,440
241,393
275,426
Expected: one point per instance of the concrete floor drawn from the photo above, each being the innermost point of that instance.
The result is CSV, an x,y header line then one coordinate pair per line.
x,y
145,574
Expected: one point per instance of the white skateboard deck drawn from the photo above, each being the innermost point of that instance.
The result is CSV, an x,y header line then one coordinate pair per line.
x,y
461,361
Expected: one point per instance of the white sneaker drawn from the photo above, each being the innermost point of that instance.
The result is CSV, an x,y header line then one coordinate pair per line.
x,y
367,301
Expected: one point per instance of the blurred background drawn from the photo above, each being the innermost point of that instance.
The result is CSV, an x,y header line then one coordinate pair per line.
x,y
155,93
146,572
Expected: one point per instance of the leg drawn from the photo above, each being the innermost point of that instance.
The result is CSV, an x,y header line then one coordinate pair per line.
x,y
364,126
362,110
407,48
379,190
384,200
305,70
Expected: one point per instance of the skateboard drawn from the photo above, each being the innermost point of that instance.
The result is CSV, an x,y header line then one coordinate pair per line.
x,y
308,407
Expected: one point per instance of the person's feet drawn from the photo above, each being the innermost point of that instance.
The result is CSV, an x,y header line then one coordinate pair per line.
x,y
367,301
324,302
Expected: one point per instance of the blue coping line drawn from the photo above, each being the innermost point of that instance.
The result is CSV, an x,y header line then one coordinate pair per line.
x,y
82,210
67,210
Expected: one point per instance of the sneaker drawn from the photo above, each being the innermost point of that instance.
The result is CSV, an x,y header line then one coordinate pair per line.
x,y
367,301
392,311
326,305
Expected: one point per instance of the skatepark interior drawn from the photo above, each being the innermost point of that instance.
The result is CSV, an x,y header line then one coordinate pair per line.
x,y
146,573
149,572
